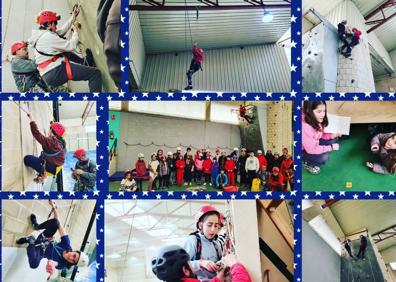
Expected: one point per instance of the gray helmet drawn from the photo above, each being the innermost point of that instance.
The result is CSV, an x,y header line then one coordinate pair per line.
x,y
167,263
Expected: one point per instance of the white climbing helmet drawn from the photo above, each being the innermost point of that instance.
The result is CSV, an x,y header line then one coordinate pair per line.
x,y
83,260
140,155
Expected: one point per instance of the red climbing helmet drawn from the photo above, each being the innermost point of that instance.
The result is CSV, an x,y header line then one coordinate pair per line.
x,y
16,46
57,128
46,16
79,153
204,210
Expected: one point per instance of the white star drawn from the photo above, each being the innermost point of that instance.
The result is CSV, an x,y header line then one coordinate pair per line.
x,y
268,193
293,19
331,98
134,98
282,98
71,193
60,196
257,196
46,193
184,196
10,98
331,196
243,94
207,98
22,193
233,196
342,193
122,68
219,193
293,93
318,94
269,94
183,98
85,196
121,193
243,193
355,196
257,98
158,196
391,193
158,98
380,98
35,196
293,193
380,196
109,98
170,95
60,98
306,196
282,196
233,98
170,193
35,98
109,197
122,43
355,98
134,196
145,193
71,94
367,193
306,98
207,196
293,44
194,193
219,94
293,68
318,193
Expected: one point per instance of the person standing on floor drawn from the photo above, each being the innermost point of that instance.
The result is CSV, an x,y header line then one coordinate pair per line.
x,y
56,57
141,170
163,172
214,171
230,169
196,64
153,172
180,165
362,248
207,170
188,170
347,246
252,167
241,163
169,162
198,169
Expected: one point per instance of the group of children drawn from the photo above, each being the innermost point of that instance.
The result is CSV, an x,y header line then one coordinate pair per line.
x,y
56,59
271,171
317,144
52,157
203,256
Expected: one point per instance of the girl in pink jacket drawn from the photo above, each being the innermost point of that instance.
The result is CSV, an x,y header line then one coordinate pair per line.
x,y
315,143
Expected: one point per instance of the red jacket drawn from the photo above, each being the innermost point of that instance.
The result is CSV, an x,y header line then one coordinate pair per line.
x,y
273,182
262,161
238,273
180,164
230,165
198,54
207,166
50,145
287,164
141,168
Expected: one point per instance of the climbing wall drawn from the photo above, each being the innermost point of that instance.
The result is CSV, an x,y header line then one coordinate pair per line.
x,y
354,269
74,215
320,59
18,141
251,133
279,126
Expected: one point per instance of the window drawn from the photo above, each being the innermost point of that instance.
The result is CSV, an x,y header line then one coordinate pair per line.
x,y
223,113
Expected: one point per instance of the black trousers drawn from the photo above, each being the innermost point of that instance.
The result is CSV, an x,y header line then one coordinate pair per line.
x,y
194,67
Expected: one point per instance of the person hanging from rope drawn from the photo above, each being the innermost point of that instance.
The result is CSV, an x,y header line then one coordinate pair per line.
x,y
196,64
57,58
24,70
84,172
60,254
243,113
52,158
172,264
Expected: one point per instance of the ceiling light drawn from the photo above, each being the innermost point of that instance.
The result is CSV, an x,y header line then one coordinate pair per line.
x,y
267,17
393,265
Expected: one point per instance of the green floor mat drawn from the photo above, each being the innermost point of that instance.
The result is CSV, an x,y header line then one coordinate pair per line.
x,y
115,187
355,269
346,169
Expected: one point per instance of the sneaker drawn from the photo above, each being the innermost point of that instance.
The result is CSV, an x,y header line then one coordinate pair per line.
x,y
185,183
204,184
33,219
190,183
311,169
188,87
210,184
26,240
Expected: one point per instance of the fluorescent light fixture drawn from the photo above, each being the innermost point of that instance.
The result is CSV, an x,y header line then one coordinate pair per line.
x,y
114,256
267,17
393,265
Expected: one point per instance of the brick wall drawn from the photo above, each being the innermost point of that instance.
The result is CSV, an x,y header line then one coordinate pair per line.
x,y
279,126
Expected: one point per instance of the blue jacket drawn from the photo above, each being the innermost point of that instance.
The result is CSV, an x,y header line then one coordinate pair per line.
x,y
222,179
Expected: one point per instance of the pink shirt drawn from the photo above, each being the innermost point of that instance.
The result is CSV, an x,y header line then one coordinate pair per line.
x,y
311,137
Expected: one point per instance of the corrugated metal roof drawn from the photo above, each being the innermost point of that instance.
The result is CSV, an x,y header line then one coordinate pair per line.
x,y
256,69
168,31
353,216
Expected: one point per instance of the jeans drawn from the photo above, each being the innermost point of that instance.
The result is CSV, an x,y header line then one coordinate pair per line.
x,y
318,159
194,67
35,163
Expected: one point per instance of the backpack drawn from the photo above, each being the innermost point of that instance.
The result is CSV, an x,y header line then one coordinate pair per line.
x,y
256,185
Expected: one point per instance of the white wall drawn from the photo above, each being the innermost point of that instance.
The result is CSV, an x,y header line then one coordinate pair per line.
x,y
144,128
262,68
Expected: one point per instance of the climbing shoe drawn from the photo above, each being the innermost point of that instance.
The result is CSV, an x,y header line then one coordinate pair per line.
x,y
33,219
26,240
311,169
89,58
189,87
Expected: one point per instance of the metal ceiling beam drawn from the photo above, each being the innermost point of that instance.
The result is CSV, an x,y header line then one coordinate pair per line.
x,y
380,10
206,8
382,235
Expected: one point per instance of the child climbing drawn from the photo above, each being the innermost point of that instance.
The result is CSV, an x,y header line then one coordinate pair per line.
x,y
276,180
172,264
355,40
344,35
52,157
384,145
24,70
57,58
202,245
315,143
221,180
196,64
180,164
128,183
245,113
84,172
141,170
59,254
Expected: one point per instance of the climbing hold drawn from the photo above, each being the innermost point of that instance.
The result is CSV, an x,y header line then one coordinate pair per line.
x,y
352,81
348,185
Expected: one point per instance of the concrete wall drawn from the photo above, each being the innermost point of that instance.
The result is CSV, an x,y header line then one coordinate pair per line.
x,y
279,126
387,83
136,47
254,68
272,237
319,260
19,19
145,128
18,141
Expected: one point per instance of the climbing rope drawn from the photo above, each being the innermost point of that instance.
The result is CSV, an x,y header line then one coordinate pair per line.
x,y
129,238
229,246
187,21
